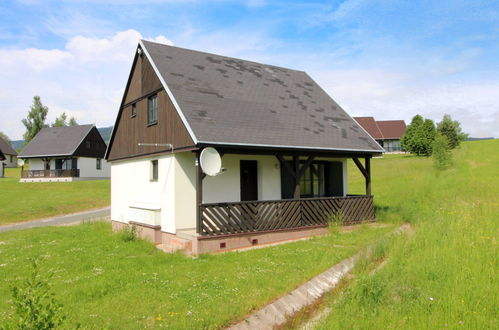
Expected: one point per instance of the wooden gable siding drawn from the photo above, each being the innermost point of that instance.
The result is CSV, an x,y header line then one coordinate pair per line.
x,y
130,131
97,146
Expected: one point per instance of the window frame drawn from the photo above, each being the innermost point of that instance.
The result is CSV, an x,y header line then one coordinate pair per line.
x,y
133,111
152,108
154,170
98,163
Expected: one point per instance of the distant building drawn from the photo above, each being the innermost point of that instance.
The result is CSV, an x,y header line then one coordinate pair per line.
x,y
386,132
71,153
10,155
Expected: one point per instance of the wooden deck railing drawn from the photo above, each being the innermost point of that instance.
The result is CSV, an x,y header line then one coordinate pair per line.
x,y
74,173
257,216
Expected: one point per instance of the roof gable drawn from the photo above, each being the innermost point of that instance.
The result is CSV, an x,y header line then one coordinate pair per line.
x,y
392,129
224,100
371,126
57,141
6,147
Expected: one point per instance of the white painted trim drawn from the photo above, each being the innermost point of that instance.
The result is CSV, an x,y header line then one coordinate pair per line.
x,y
291,147
170,94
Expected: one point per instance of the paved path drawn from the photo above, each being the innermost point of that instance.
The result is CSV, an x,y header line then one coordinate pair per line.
x,y
68,219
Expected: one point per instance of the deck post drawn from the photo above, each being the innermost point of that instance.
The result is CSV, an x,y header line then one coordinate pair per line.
x,y
368,177
199,193
296,163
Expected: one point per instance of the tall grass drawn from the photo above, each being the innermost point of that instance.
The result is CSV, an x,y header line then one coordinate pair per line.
x,y
445,276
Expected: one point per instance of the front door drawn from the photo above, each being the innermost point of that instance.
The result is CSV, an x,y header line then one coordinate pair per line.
x,y
249,180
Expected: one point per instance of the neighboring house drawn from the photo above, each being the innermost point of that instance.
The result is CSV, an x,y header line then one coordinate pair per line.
x,y
284,144
69,153
2,165
9,153
386,132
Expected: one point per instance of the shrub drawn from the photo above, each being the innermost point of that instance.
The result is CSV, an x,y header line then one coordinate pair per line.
x,y
334,222
34,303
129,233
451,129
442,157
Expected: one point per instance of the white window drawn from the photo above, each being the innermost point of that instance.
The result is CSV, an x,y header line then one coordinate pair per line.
x,y
154,170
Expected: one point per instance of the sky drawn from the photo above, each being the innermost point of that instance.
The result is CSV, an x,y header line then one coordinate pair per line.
x,y
388,59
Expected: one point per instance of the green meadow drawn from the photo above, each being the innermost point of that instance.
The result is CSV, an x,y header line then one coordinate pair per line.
x,y
28,201
445,275
442,276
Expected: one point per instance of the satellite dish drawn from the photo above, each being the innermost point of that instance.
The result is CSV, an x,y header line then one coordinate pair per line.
x,y
20,162
211,162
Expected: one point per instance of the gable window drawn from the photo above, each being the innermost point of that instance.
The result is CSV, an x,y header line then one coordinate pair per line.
x,y
152,110
134,110
87,144
98,164
154,170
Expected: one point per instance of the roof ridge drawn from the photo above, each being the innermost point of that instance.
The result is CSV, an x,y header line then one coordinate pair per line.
x,y
224,56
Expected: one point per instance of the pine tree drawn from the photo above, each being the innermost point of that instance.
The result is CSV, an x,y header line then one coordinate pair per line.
x,y
35,120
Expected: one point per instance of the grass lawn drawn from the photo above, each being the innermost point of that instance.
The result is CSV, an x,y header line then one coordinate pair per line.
x,y
445,276
28,201
105,282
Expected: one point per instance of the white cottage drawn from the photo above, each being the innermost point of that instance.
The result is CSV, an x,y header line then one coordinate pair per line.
x,y
63,154
284,144
9,154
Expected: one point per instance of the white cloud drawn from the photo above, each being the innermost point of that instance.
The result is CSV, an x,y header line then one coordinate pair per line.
x,y
86,79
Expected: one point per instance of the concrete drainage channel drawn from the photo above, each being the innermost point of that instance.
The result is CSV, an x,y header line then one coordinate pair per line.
x,y
279,312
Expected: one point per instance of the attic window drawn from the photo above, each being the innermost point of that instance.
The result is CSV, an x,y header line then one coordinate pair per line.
x,y
134,110
152,110
87,144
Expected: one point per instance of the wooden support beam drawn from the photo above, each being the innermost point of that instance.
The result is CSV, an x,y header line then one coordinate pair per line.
x,y
285,164
296,163
361,167
199,193
368,177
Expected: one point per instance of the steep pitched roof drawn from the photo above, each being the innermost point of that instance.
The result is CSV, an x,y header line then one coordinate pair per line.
x,y
229,101
391,129
6,147
371,126
56,141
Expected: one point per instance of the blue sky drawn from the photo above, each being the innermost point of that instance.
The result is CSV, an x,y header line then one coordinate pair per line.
x,y
388,59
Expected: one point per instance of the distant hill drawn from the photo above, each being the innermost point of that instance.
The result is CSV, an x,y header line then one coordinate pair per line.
x,y
479,139
105,132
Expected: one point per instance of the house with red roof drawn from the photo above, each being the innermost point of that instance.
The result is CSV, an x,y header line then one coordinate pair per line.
x,y
386,132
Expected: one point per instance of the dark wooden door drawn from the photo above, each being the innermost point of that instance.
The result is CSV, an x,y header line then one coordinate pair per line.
x,y
249,180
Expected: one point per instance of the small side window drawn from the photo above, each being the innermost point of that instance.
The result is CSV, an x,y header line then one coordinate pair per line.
x,y
98,163
134,110
154,170
152,110
87,145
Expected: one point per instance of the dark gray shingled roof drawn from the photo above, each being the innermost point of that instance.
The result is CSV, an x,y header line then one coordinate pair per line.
x,y
6,147
56,141
232,101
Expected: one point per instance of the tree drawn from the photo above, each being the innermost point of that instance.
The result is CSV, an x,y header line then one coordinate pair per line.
x,y
4,136
62,120
419,136
442,157
35,120
451,130
407,139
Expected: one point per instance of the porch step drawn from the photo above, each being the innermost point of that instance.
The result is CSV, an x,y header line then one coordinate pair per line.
x,y
176,244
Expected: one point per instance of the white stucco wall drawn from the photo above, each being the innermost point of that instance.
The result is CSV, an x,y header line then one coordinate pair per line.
x,y
88,168
171,201
8,162
226,186
37,164
133,193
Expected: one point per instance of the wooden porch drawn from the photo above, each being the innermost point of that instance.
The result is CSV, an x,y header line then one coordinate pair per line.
x,y
66,173
268,216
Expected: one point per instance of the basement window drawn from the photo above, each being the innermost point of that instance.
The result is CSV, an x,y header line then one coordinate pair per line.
x,y
152,110
154,170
